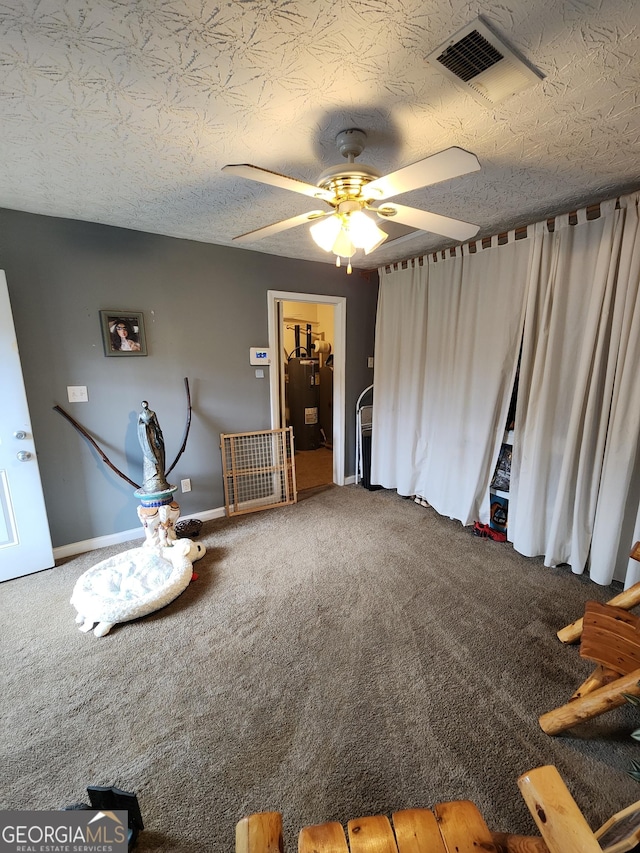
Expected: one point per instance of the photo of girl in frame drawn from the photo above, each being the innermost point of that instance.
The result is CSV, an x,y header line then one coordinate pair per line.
x,y
123,333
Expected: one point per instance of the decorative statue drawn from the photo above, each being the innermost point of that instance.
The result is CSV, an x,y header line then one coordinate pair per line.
x,y
152,444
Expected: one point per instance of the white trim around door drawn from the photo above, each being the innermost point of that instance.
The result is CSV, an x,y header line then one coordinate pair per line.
x,y
274,297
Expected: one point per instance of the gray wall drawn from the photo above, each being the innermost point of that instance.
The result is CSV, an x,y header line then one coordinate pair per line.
x,y
203,305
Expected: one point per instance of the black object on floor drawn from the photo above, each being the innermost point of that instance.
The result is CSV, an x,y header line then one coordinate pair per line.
x,y
111,800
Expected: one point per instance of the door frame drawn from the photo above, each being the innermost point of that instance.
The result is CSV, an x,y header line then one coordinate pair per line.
x,y
276,297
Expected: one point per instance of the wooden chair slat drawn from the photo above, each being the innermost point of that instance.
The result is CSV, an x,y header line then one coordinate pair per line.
x,y
371,835
260,833
323,838
417,831
463,828
611,637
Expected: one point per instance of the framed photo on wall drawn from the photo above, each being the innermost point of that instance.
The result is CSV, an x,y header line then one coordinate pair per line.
x,y
123,333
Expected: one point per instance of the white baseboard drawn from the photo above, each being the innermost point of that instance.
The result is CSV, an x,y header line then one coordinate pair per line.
x,y
85,545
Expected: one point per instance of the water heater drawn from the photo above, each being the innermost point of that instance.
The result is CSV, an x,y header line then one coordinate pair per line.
x,y
303,394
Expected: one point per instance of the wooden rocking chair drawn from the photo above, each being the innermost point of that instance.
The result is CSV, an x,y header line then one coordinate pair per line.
x,y
456,827
611,639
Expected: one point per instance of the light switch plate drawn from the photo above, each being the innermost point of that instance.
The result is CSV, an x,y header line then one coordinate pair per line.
x,y
77,394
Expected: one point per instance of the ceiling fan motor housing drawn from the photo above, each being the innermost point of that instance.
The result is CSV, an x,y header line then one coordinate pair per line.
x,y
347,182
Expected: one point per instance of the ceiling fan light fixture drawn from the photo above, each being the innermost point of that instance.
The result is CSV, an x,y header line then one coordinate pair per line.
x,y
343,244
331,235
364,232
343,233
325,232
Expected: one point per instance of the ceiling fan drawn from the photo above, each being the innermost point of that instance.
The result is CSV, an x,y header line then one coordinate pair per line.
x,y
354,189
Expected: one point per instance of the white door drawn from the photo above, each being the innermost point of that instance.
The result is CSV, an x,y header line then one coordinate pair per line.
x,y
25,542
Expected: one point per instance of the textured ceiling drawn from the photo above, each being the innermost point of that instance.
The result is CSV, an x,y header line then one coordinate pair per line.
x,y
124,111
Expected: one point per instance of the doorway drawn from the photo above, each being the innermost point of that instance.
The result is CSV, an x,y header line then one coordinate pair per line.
x,y
320,322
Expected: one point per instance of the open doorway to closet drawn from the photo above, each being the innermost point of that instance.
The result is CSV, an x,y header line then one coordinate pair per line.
x,y
307,343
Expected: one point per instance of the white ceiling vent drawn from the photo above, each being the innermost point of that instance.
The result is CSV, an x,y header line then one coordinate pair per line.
x,y
480,61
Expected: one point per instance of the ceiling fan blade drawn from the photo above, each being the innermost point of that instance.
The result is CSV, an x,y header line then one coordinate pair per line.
x,y
425,221
451,163
275,179
283,225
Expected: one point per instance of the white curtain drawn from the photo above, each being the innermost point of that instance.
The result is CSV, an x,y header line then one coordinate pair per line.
x,y
573,492
447,341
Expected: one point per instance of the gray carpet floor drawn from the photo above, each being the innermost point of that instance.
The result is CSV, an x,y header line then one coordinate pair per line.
x,y
349,655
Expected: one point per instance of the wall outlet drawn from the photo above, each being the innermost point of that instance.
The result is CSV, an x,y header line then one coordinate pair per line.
x,y
370,361
77,394
185,485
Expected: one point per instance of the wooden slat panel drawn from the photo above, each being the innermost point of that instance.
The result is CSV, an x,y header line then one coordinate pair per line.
x,y
371,835
417,831
260,833
611,637
322,838
463,828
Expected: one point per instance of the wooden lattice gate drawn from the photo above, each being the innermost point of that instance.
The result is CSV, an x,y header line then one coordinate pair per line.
x,y
258,470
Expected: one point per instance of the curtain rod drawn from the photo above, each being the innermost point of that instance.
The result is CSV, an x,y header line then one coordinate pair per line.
x,y
592,210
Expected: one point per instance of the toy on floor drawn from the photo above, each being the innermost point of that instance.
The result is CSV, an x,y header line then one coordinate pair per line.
x,y
133,584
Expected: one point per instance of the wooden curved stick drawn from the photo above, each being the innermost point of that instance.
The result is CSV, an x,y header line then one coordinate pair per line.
x,y
186,429
103,456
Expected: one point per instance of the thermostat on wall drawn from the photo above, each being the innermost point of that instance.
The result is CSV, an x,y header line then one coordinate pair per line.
x,y
259,355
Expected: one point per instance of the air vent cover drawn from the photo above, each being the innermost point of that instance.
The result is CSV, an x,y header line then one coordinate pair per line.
x,y
479,61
